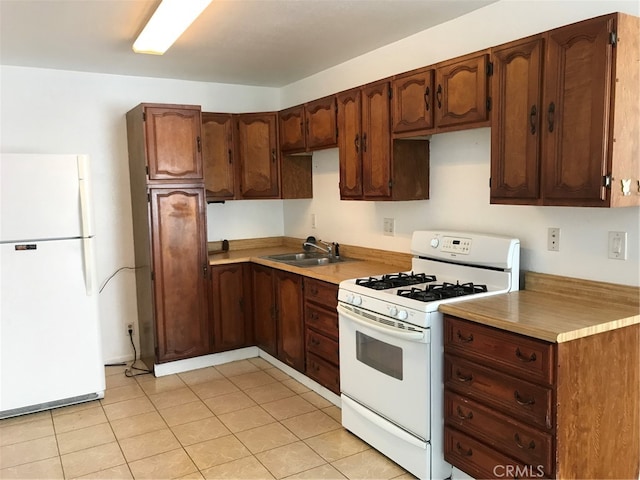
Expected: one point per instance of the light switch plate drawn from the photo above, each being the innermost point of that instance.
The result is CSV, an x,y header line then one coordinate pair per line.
x,y
389,226
553,239
618,245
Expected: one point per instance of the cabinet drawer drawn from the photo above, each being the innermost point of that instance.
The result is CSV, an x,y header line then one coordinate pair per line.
x,y
321,319
323,347
320,292
482,461
524,400
516,354
323,372
527,444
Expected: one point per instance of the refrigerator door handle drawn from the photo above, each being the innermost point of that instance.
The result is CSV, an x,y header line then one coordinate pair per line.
x,y
87,260
85,196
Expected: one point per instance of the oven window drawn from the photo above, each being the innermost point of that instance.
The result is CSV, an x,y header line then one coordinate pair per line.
x,y
379,355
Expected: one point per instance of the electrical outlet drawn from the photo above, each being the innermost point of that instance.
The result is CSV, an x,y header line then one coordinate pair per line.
x,y
618,245
313,220
130,327
389,226
553,239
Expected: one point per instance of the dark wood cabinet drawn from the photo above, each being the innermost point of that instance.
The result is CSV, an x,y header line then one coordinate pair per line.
x,y
219,155
231,306
321,337
549,410
563,132
412,102
170,231
372,167
264,309
308,127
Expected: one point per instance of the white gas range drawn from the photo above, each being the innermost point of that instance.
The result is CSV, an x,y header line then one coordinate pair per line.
x,y
391,342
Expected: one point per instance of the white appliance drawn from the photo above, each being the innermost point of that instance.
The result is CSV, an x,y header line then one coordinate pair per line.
x,y
391,342
50,351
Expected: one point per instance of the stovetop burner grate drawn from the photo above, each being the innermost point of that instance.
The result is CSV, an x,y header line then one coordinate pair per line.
x,y
441,291
395,280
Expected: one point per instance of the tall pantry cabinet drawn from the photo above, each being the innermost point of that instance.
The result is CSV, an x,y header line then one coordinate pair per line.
x,y
169,228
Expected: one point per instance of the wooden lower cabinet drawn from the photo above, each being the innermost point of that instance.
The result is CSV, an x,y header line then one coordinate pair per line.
x,y
518,407
321,338
230,306
264,310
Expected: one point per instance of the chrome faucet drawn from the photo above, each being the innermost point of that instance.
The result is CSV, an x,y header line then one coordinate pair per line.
x,y
328,249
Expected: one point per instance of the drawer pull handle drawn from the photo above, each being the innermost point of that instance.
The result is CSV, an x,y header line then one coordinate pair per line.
x,y
464,339
462,451
531,446
314,316
522,401
315,341
524,358
464,378
462,415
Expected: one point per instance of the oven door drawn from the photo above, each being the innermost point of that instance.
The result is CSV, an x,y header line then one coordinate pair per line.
x,y
386,369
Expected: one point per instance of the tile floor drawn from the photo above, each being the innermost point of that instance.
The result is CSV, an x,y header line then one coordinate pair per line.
x,y
240,420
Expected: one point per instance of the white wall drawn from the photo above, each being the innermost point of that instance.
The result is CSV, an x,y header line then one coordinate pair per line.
x,y
50,111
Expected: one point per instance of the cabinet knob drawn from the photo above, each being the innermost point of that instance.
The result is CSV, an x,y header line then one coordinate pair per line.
x,y
533,119
462,415
439,96
427,93
273,155
551,115
524,358
531,446
521,401
356,142
464,378
462,451
464,339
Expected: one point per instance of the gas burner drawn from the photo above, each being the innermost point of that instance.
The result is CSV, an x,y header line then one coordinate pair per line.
x,y
442,291
395,280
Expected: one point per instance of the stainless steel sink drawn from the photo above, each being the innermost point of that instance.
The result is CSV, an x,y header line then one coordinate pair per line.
x,y
305,259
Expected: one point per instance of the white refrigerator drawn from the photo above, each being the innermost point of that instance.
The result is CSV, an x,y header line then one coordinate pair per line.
x,y
50,351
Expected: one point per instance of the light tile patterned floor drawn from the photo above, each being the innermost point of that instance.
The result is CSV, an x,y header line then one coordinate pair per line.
x,y
240,420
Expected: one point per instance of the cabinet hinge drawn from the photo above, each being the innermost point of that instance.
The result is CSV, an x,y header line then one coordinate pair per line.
x,y
488,104
489,182
146,169
390,184
153,276
148,198
606,181
199,143
613,38
144,116
489,69
391,93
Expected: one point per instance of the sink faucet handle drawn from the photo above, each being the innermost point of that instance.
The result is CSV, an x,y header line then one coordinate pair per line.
x,y
336,249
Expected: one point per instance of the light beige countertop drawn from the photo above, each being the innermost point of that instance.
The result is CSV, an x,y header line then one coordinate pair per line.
x,y
541,312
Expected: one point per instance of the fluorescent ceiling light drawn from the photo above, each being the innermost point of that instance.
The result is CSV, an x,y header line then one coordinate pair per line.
x,y
169,21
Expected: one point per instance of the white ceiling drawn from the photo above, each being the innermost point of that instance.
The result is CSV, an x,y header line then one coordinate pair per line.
x,y
250,42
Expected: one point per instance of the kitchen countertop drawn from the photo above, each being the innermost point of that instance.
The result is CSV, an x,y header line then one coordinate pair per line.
x,y
546,315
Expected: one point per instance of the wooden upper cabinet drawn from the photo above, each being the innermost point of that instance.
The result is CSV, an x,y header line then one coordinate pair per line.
x,y
376,141
461,89
515,133
218,155
173,145
258,155
412,101
180,263
565,124
308,127
349,140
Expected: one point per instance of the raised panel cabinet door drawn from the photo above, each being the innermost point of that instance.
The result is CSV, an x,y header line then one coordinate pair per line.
x,y
218,155
292,129
515,131
461,92
173,143
412,101
349,144
577,98
376,141
258,155
230,306
321,123
179,262
264,309
289,307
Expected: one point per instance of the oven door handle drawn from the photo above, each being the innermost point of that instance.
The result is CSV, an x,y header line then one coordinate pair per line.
x,y
394,332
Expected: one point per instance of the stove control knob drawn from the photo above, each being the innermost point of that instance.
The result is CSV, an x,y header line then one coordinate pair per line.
x,y
349,298
393,311
435,242
357,300
402,315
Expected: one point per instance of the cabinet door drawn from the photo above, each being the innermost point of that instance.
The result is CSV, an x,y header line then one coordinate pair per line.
x,y
231,306
461,92
173,143
289,300
576,113
376,141
515,131
412,101
320,123
292,129
179,262
349,144
217,155
258,155
264,309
